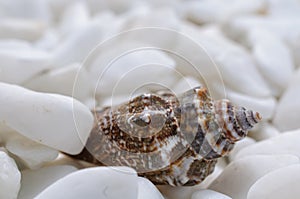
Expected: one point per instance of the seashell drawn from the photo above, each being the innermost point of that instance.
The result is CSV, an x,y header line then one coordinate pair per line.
x,y
168,139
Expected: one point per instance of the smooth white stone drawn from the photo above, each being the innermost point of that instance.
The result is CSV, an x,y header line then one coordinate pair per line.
x,y
281,183
209,194
54,120
286,28
48,41
26,9
94,183
163,19
288,8
193,59
76,16
285,143
288,109
32,154
247,141
263,131
274,59
21,29
219,11
10,177
147,190
29,61
266,106
35,181
147,67
235,64
13,44
170,192
238,177
78,46
62,81
117,6
58,7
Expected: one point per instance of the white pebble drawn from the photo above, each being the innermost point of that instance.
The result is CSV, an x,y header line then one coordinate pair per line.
x,y
53,120
28,9
238,176
263,131
169,192
30,61
247,141
13,44
35,181
285,143
163,21
219,11
10,177
77,46
209,194
273,58
288,8
94,183
147,67
21,29
195,57
48,41
76,16
31,153
288,109
278,184
146,190
71,80
235,64
286,28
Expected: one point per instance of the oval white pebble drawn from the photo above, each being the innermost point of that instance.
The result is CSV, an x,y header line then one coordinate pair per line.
x,y
285,143
147,190
95,183
208,194
274,59
21,28
46,118
263,131
247,141
278,184
31,153
35,181
61,81
10,177
30,61
288,110
237,177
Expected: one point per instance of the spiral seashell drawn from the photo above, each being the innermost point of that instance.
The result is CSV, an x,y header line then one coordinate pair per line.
x,y
168,140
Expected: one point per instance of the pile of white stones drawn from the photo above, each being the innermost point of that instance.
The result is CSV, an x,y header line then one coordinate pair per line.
x,y
60,58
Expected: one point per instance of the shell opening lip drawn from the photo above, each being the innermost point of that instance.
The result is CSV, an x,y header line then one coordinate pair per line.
x,y
258,116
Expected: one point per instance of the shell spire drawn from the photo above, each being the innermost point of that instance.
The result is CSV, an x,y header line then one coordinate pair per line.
x,y
235,121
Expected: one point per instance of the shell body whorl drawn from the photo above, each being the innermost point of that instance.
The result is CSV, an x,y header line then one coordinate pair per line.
x,y
169,140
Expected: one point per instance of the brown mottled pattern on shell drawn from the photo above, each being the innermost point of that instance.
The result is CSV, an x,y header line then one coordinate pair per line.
x,y
169,141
